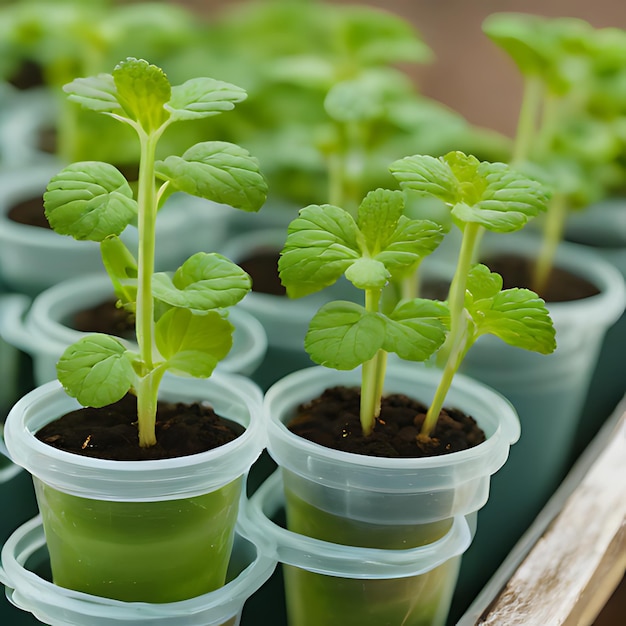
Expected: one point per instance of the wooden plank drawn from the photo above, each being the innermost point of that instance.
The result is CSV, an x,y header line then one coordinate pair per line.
x,y
568,565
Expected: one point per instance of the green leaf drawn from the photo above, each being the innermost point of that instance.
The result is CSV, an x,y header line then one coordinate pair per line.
x,y
193,344
366,273
411,241
96,370
218,171
416,329
426,175
89,200
517,316
321,244
97,93
203,97
353,101
204,282
509,199
343,335
121,267
142,90
378,217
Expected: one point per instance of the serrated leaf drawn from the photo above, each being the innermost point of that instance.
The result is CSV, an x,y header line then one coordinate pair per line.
x,y
193,344
142,90
218,171
321,244
426,175
378,217
343,335
353,101
411,241
89,200
203,97
416,329
204,282
97,93
517,316
96,370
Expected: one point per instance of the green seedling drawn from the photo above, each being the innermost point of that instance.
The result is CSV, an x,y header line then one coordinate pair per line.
x,y
570,127
181,324
326,242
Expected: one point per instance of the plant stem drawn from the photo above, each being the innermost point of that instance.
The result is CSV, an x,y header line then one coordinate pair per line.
x,y
147,203
552,235
455,346
531,101
472,234
372,375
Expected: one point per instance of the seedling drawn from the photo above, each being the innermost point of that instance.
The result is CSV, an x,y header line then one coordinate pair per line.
x,y
325,242
569,126
180,324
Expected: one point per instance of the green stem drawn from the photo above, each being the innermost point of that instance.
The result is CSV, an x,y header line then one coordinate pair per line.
x,y
147,203
459,348
527,121
552,236
372,375
456,296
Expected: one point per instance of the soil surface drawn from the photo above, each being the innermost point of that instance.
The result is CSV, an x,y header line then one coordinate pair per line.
x,y
262,267
562,285
332,420
111,432
105,318
29,212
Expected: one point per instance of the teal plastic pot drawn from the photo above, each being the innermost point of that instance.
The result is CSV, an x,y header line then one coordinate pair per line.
x,y
548,392
140,531
42,327
385,504
602,227
25,563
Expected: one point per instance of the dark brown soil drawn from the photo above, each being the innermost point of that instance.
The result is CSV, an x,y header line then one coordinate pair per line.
x,y
28,75
106,318
111,432
332,420
562,285
262,266
29,212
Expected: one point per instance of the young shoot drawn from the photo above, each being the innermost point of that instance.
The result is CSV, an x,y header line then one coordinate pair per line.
x,y
324,243
559,133
181,322
481,196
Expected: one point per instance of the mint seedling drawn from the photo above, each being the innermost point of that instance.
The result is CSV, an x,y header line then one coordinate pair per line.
x,y
324,243
481,196
382,244
181,325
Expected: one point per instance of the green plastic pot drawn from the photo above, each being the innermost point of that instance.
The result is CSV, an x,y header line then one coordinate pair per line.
x,y
149,531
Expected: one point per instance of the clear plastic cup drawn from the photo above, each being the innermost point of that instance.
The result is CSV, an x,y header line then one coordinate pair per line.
x,y
140,530
328,582
24,563
388,490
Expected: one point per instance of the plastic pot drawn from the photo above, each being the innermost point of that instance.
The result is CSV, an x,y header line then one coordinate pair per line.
x,y
145,531
381,503
25,561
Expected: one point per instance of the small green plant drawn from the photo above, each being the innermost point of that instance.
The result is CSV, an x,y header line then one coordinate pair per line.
x,y
326,242
570,127
181,322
